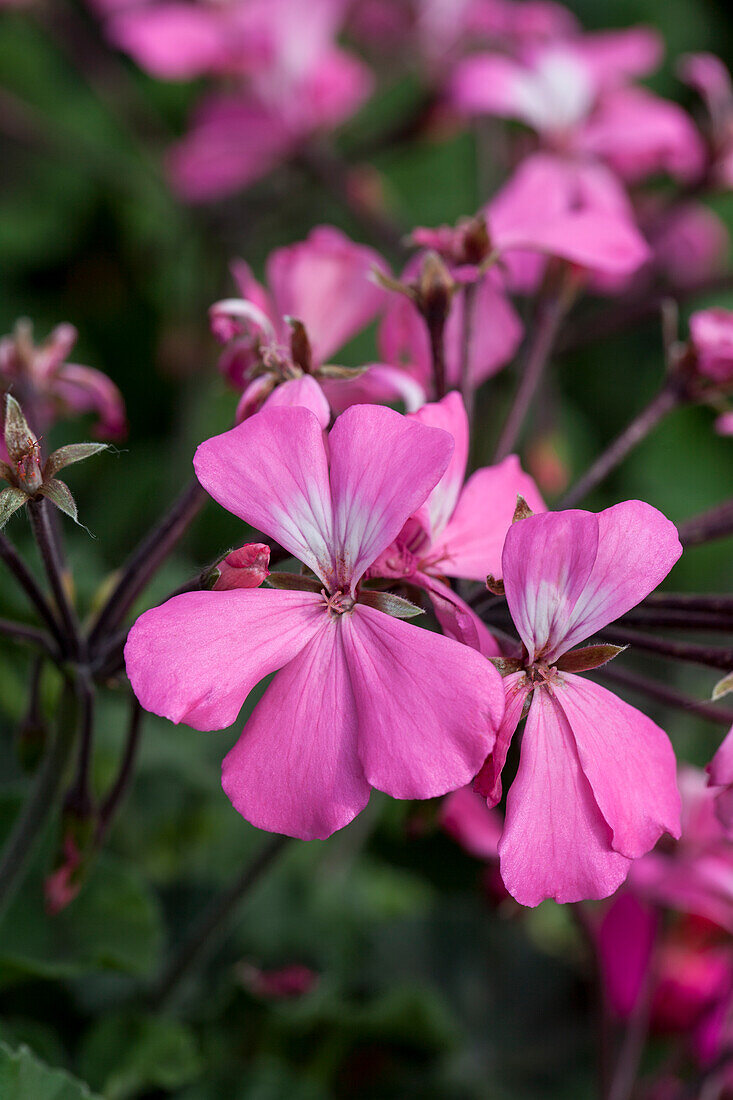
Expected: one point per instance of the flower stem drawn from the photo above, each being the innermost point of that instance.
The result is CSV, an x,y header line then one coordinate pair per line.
x,y
709,656
25,579
39,806
634,1040
668,398
714,524
44,534
212,921
436,335
468,390
684,601
31,634
665,695
146,559
550,312
680,620
79,797
119,788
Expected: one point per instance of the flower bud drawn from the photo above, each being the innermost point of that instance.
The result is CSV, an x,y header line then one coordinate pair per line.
x,y
711,340
285,983
246,567
434,288
23,448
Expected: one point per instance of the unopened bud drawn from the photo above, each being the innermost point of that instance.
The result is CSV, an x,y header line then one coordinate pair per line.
x,y
434,288
300,346
476,241
246,567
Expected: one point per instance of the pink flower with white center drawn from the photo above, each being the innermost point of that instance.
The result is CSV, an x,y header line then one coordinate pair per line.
x,y
460,530
362,699
711,339
596,784
567,208
575,95
297,82
325,283
47,384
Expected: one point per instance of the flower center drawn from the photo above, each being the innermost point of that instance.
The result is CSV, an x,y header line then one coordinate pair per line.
x,y
338,603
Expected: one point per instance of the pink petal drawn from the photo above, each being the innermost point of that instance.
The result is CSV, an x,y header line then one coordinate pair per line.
x,y
720,768
449,414
295,769
84,390
488,780
471,544
196,658
457,619
213,159
383,467
556,843
428,706
172,41
467,818
615,56
628,761
625,940
378,385
637,133
568,574
496,332
324,281
302,392
271,471
488,84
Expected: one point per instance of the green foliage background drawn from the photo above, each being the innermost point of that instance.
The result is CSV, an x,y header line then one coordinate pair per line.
x,y
425,990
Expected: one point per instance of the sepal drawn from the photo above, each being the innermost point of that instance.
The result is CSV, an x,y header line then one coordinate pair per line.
x,y
66,456
589,657
390,604
11,499
60,495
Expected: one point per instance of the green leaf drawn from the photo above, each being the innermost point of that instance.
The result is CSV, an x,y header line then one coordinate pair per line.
x,y
24,1077
60,495
126,1054
66,456
390,604
10,501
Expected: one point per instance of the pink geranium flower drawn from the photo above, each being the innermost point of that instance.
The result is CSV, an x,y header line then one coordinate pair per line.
x,y
596,784
576,95
362,699
325,283
298,82
49,387
460,530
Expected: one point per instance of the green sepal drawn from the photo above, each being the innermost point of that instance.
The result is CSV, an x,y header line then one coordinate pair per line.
x,y
66,456
390,604
11,500
60,495
723,687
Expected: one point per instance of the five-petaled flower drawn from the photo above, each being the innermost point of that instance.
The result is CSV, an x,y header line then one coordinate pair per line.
x,y
595,788
362,699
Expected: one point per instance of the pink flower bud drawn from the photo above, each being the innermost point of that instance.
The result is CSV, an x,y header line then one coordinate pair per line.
x,y
61,887
711,336
246,567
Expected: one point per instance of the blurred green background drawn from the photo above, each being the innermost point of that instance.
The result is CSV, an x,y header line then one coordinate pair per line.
x,y
425,988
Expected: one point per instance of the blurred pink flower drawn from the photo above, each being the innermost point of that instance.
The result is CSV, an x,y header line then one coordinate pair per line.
x,y
325,283
711,339
576,95
460,530
49,387
596,784
567,208
720,772
362,699
283,984
708,75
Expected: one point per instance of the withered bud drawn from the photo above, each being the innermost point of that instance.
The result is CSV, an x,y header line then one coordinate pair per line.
x,y
300,346
434,288
476,241
522,510
495,585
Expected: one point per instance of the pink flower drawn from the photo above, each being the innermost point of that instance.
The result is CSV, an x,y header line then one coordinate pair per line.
x,y
325,283
297,83
720,772
708,75
556,206
711,338
696,875
460,530
362,699
477,828
575,94
596,784
42,379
